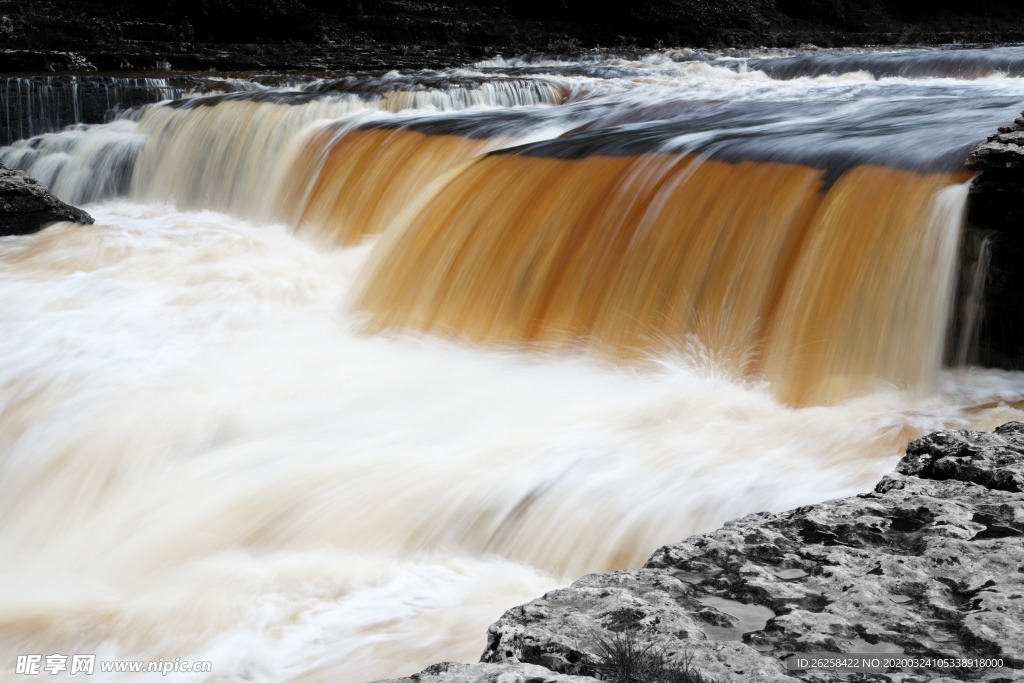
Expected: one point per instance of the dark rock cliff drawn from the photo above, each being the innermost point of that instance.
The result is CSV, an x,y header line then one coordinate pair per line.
x,y
929,565
46,35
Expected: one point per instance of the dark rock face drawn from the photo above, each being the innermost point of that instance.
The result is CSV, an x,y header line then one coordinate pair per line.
x,y
995,218
26,205
47,35
447,31
930,564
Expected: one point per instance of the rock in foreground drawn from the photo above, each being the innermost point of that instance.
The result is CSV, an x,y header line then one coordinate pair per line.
x,y
930,565
27,206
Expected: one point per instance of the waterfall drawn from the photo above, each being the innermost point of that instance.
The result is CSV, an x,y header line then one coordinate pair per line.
x,y
233,152
827,291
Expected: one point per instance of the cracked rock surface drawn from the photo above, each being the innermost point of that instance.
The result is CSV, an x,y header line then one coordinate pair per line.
x,y
929,564
27,206
1002,150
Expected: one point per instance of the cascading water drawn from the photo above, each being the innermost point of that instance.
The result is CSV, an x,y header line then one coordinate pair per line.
x,y
43,104
345,370
33,105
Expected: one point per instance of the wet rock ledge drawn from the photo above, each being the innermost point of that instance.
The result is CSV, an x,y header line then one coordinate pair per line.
x,y
27,206
928,565
995,219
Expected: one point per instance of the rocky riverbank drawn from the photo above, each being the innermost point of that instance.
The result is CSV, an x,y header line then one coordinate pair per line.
x,y
929,565
27,206
189,35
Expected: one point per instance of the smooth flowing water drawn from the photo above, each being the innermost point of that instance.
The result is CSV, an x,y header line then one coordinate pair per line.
x,y
345,370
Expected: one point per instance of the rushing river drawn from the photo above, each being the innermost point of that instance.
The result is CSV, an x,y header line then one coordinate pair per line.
x,y
346,369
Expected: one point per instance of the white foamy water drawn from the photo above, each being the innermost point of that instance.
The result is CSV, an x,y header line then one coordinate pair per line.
x,y
202,457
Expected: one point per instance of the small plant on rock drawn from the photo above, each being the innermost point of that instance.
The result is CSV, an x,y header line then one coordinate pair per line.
x,y
623,658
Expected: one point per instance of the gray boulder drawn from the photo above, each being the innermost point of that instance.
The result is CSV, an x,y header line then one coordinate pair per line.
x,y
27,206
1002,150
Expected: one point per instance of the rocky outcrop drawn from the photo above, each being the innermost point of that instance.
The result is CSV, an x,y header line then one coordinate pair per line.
x,y
1002,151
928,566
995,236
26,205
